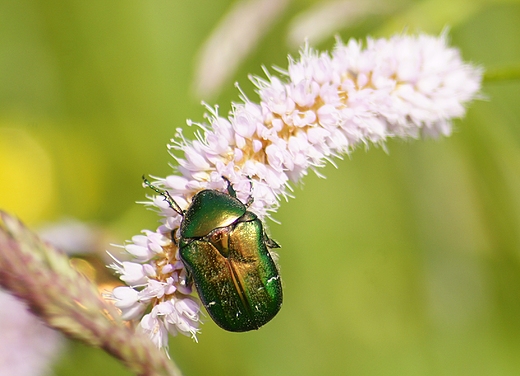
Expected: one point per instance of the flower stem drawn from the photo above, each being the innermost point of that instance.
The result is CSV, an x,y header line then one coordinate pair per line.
x,y
69,302
502,74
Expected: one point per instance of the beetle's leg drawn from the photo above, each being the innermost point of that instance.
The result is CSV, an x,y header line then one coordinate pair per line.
x,y
167,197
233,193
250,199
174,238
189,278
270,242
230,189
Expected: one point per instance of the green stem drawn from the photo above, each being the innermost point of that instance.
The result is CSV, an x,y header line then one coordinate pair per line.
x,y
502,74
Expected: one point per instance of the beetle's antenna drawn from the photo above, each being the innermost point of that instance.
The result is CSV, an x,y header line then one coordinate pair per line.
x,y
167,197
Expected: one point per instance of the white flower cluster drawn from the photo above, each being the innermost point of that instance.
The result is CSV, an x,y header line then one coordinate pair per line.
x,y
156,277
323,106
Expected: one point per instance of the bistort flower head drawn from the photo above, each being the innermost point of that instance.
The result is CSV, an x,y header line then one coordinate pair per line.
x,y
321,107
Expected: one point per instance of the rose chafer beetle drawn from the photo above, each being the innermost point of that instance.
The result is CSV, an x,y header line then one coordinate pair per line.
x,y
225,250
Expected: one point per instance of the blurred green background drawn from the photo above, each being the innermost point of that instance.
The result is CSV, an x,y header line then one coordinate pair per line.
x,y
399,263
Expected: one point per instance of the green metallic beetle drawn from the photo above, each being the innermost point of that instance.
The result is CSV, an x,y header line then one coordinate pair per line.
x,y
226,252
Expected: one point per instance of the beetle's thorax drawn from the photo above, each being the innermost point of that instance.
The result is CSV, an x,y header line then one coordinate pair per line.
x,y
209,210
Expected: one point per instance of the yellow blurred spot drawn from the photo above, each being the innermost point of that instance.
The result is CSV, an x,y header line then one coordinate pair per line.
x,y
84,267
26,184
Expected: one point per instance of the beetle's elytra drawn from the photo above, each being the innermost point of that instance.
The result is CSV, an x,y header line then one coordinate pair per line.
x,y
225,250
